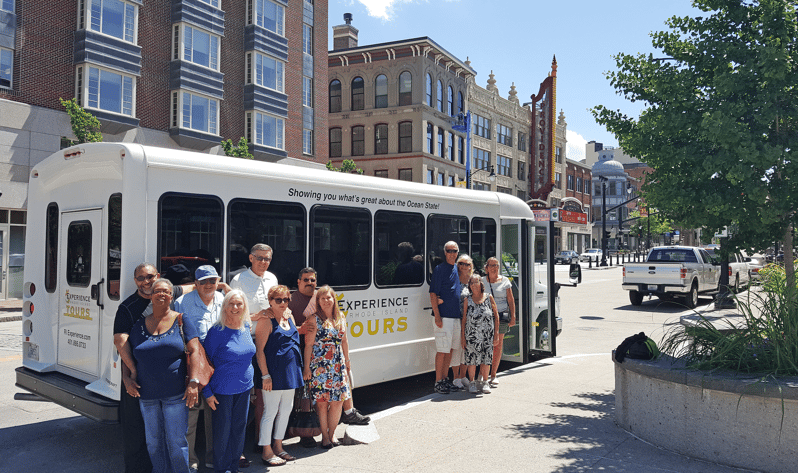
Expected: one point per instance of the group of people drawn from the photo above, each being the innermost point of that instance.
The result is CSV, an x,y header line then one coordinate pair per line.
x,y
259,338
471,316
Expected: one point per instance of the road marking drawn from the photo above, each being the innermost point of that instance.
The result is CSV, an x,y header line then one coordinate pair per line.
x,y
11,358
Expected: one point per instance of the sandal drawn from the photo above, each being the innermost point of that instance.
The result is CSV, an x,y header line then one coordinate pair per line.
x,y
273,461
286,456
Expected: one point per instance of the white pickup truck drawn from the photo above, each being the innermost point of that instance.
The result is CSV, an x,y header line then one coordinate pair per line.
x,y
671,271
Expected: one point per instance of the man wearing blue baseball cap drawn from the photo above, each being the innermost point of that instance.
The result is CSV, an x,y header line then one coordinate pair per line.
x,y
202,308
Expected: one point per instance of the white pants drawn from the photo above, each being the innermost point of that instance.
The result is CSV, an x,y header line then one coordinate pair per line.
x,y
277,407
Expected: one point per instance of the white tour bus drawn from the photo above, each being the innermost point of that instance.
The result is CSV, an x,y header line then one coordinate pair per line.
x,y
96,211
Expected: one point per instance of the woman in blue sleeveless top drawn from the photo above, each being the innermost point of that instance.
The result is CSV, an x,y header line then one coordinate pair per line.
x,y
280,361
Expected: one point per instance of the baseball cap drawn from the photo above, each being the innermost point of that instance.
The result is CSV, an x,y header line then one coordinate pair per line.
x,y
205,271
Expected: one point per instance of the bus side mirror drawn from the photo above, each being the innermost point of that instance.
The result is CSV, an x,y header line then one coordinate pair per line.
x,y
575,274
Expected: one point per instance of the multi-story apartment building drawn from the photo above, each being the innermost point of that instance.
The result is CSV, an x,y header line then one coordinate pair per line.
x,y
578,187
391,107
171,73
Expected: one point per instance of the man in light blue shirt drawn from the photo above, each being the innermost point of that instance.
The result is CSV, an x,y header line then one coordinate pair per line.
x,y
201,308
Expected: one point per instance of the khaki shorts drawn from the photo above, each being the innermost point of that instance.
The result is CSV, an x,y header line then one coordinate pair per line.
x,y
447,339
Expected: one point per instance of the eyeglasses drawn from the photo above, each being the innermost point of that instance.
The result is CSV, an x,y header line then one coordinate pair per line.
x,y
451,251
162,291
262,259
148,277
493,266
205,282
463,263
280,300
308,280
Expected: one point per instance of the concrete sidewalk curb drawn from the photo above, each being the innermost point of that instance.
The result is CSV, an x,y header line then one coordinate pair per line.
x,y
10,318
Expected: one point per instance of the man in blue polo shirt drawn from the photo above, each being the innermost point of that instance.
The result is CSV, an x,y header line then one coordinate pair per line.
x,y
444,294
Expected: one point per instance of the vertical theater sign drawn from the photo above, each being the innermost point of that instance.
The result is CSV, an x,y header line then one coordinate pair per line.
x,y
541,172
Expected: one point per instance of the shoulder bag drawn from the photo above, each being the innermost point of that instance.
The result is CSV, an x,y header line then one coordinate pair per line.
x,y
504,317
205,369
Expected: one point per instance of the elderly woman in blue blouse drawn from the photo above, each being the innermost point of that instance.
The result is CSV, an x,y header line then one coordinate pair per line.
x,y
159,348
230,350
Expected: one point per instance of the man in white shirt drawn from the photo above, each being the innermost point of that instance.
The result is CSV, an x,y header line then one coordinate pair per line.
x,y
256,281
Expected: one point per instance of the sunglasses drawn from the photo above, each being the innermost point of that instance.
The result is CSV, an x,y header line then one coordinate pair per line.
x,y
163,291
280,300
463,263
308,280
451,251
207,281
262,259
148,277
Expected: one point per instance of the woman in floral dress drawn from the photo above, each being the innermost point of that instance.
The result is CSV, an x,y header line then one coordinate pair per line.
x,y
480,333
326,361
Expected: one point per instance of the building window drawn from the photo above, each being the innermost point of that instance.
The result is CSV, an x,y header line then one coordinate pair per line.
x,y
269,131
405,174
440,179
307,141
521,141
598,190
504,166
358,140
268,72
450,100
335,142
6,67
114,18
461,149
521,194
450,148
200,47
430,176
587,186
429,90
558,154
430,143
481,159
440,97
381,92
335,96
381,173
504,190
441,149
7,5
558,180
504,135
569,182
451,181
613,190
460,103
405,88
267,14
479,186
106,90
213,3
578,184
481,126
307,39
357,93
381,139
405,137
521,171
307,91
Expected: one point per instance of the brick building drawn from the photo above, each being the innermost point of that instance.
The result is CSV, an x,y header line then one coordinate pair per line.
x,y
170,73
578,185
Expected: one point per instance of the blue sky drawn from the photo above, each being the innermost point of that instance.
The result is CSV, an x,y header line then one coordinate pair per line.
x,y
516,39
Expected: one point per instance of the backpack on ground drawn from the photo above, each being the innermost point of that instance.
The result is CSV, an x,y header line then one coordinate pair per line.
x,y
637,347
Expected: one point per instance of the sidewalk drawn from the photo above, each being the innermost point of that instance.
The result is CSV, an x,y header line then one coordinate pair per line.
x,y
10,310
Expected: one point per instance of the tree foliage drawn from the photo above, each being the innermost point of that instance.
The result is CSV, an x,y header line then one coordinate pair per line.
x,y
655,222
720,127
85,126
241,150
347,165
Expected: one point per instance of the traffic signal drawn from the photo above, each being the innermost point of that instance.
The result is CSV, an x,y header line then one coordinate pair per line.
x,y
607,234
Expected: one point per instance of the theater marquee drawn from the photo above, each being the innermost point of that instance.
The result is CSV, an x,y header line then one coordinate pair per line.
x,y
544,107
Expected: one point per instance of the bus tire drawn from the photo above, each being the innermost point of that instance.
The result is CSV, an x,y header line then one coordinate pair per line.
x,y
635,297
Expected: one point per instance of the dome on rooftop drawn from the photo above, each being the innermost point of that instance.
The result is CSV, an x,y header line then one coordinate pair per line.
x,y
607,167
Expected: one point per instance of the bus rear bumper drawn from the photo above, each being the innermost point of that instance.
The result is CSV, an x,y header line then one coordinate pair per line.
x,y
70,393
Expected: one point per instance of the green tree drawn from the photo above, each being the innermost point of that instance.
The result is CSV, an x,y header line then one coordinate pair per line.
x,y
720,126
654,222
347,165
241,150
85,126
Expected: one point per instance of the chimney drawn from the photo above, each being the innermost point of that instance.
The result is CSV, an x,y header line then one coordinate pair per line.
x,y
345,36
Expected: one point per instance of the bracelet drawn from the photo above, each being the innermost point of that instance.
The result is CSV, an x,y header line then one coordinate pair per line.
x,y
266,376
193,380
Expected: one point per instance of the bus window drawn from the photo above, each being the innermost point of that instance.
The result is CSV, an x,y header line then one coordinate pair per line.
x,y
277,224
189,232
114,245
51,248
340,251
483,241
440,229
78,270
398,248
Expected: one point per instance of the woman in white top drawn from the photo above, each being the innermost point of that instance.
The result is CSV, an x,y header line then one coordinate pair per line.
x,y
501,289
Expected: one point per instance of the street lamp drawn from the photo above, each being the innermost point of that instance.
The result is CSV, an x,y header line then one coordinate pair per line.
x,y
603,220
463,125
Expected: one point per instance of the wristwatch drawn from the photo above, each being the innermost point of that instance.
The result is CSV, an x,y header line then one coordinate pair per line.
x,y
193,380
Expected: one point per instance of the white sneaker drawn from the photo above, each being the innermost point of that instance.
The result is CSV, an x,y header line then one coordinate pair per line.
x,y
494,383
458,383
485,388
472,387
465,382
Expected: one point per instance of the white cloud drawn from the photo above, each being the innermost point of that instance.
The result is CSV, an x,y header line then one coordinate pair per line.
x,y
383,9
575,148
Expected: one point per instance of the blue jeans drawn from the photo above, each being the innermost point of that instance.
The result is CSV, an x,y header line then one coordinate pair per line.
x,y
229,429
165,425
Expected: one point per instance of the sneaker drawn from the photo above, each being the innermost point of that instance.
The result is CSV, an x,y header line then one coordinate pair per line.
x,y
453,387
472,387
458,383
485,388
494,383
441,387
355,418
465,382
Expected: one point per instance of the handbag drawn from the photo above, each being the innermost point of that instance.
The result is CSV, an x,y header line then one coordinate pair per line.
x,y
205,369
303,421
504,317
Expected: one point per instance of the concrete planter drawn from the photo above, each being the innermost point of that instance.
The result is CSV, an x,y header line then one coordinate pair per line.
x,y
735,421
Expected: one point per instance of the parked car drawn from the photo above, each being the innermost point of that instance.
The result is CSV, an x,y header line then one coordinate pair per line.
x,y
738,269
566,257
755,263
590,254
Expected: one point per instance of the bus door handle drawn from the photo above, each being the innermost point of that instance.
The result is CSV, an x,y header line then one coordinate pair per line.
x,y
95,293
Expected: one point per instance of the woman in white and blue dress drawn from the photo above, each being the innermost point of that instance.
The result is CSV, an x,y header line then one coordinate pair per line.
x,y
480,333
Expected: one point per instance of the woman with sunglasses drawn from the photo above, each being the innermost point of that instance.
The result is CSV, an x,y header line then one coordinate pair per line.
x,y
230,350
465,268
280,361
500,288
